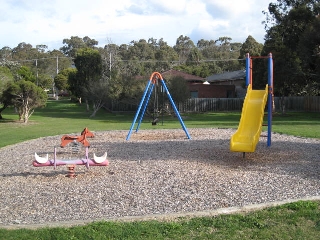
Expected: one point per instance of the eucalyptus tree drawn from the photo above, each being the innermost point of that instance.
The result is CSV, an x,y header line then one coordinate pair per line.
x,y
75,43
165,55
24,51
121,68
208,48
54,62
6,53
143,54
183,47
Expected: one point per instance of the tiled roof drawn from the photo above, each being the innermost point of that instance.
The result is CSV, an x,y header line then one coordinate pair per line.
x,y
186,76
240,74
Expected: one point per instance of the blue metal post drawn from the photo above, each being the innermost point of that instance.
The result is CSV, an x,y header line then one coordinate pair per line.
x,y
270,93
248,72
138,111
145,106
175,108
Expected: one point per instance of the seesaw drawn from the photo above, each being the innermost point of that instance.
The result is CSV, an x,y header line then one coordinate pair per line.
x,y
45,162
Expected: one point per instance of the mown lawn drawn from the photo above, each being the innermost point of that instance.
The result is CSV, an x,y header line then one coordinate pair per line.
x,y
299,220
65,117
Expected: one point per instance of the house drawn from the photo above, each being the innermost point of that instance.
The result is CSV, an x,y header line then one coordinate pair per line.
x,y
201,87
188,77
234,78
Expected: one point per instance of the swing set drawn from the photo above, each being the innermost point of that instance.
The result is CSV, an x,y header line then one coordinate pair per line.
x,y
155,79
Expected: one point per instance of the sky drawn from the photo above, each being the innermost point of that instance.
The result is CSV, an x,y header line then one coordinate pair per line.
x,y
119,22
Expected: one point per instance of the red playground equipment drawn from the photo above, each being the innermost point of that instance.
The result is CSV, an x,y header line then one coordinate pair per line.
x,y
66,139
76,143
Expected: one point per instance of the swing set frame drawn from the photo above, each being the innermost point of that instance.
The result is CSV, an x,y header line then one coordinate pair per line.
x,y
155,78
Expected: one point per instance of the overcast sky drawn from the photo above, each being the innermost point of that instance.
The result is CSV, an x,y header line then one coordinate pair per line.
x,y
121,21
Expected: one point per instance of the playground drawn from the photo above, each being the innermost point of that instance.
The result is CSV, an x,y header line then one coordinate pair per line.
x,y
156,173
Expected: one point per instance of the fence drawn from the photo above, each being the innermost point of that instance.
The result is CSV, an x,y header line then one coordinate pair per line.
x,y
305,103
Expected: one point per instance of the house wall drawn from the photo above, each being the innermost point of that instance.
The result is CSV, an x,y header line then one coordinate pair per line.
x,y
213,91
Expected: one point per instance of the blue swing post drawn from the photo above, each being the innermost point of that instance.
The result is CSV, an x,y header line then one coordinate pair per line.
x,y
145,106
175,108
138,111
144,102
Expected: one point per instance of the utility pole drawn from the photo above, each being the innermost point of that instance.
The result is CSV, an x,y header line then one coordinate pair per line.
x,y
110,64
37,72
57,71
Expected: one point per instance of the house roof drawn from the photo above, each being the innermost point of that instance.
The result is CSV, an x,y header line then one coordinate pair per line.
x,y
186,76
240,74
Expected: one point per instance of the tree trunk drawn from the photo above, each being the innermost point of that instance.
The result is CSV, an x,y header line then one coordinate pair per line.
x,y
87,105
97,105
21,113
282,105
2,109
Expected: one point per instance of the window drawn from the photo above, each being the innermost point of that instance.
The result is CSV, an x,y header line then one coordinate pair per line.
x,y
194,94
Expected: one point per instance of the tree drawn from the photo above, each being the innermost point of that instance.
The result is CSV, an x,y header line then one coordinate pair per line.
x,y
309,53
26,74
178,89
194,57
164,55
23,51
89,69
251,46
97,93
72,45
26,96
287,26
61,80
6,78
44,81
6,53
183,47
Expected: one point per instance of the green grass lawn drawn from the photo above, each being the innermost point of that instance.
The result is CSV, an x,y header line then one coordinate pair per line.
x,y
299,220
64,117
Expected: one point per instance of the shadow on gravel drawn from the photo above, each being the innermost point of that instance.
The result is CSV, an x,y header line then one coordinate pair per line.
x,y
294,158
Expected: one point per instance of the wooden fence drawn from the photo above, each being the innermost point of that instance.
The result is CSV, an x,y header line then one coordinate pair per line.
x,y
305,103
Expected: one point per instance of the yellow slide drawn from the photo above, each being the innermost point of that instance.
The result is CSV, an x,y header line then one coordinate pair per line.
x,y
247,136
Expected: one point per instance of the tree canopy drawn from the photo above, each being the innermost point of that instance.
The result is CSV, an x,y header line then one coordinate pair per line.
x,y
294,41
292,36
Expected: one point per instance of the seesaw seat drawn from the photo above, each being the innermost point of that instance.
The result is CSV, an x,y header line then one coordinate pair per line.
x,y
41,159
100,159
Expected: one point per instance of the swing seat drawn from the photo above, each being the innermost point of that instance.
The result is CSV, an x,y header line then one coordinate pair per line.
x,y
154,121
99,159
41,160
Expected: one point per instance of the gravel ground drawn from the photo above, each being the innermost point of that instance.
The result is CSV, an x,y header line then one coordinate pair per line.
x,y
155,172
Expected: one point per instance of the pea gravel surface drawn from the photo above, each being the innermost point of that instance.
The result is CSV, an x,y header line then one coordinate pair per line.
x,y
155,172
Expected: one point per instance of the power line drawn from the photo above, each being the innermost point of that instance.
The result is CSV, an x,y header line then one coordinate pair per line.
x,y
131,60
